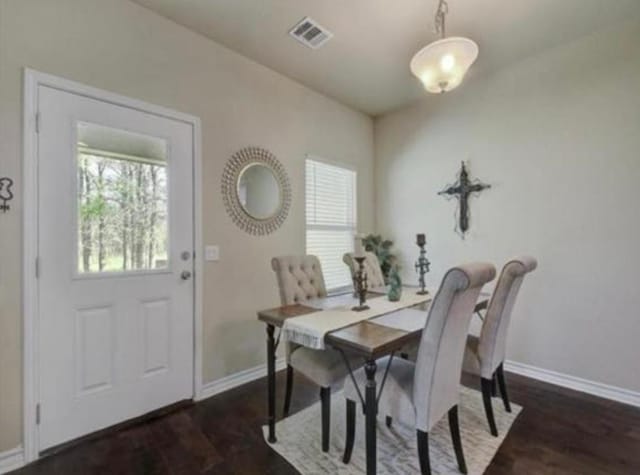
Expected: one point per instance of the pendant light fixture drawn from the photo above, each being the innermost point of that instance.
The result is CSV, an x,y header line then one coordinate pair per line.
x,y
441,65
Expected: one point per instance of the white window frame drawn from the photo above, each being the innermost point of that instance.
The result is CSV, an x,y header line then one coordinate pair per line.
x,y
354,229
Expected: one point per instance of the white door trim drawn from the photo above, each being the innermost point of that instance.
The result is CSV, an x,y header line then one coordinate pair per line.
x,y
32,81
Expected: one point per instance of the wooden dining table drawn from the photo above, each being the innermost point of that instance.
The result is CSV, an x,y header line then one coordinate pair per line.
x,y
365,338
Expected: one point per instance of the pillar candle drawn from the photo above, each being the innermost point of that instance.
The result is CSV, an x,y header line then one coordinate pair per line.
x,y
358,248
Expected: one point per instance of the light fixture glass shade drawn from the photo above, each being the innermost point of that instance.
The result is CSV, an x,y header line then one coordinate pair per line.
x,y
441,65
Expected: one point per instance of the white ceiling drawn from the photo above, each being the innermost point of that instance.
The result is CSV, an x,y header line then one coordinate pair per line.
x,y
366,64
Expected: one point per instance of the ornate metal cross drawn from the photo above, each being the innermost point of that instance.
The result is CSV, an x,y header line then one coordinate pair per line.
x,y
462,189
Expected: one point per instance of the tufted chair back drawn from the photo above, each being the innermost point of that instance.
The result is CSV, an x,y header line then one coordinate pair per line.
x,y
371,267
299,278
439,364
493,336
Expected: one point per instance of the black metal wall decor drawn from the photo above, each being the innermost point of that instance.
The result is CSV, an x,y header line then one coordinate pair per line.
x,y
6,194
461,190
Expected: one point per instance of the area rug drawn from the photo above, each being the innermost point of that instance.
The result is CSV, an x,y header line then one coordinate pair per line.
x,y
299,440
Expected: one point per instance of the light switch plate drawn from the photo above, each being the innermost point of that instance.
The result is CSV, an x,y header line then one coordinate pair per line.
x,y
211,253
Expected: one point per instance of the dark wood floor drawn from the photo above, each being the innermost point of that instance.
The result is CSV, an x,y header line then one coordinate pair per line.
x,y
558,432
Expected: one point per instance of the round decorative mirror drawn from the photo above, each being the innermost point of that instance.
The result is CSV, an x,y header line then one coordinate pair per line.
x,y
256,190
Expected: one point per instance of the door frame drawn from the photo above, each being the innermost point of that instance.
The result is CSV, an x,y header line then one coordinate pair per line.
x,y
30,285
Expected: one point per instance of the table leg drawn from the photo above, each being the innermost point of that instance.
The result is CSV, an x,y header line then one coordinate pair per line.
x,y
371,410
271,382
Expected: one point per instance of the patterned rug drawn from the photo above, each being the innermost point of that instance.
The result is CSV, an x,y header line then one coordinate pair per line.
x,y
299,440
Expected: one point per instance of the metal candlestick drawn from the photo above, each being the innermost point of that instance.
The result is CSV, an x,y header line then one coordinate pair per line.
x,y
422,267
361,285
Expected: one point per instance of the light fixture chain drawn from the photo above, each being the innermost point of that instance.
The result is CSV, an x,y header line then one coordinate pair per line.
x,y
441,12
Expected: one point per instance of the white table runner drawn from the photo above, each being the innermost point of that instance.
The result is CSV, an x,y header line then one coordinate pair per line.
x,y
309,330
407,319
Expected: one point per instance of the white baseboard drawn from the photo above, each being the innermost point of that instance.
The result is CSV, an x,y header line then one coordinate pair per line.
x,y
237,379
572,382
11,460
559,379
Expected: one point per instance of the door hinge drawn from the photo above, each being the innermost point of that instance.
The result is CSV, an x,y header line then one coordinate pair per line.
x,y
37,122
37,267
38,413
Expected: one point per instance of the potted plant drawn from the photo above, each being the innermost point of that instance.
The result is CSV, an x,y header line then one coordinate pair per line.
x,y
382,249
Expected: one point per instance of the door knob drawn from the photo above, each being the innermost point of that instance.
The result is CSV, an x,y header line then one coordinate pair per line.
x,y
185,275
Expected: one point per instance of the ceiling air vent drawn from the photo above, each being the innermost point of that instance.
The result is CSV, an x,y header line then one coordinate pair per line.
x,y
310,33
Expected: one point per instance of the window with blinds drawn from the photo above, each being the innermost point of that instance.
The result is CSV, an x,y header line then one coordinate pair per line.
x,y
331,219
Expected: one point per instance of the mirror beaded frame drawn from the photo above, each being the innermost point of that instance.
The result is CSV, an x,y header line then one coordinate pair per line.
x,y
240,161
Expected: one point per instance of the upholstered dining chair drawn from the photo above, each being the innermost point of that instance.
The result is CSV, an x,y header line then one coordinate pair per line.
x,y
300,279
371,265
421,393
484,356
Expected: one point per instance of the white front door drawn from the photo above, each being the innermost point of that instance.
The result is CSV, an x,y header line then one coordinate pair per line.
x,y
115,238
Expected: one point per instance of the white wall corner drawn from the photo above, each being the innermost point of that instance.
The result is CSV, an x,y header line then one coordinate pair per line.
x,y
237,379
11,460
594,388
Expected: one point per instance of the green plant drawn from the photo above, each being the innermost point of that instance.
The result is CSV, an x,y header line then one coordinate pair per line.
x,y
382,249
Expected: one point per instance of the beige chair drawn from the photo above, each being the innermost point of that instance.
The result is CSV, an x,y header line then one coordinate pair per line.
x,y
421,393
300,279
485,356
375,278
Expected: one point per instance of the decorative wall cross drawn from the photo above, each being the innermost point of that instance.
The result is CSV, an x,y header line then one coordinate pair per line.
x,y
462,189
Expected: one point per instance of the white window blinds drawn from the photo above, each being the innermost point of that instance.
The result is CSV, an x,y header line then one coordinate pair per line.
x,y
331,218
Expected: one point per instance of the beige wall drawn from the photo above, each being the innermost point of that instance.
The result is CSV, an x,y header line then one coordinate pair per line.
x,y
121,47
557,135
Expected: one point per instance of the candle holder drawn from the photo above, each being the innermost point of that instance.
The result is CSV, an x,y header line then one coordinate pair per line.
x,y
422,265
361,285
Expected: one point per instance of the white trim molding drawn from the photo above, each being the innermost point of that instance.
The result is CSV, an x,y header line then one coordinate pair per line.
x,y
237,379
11,460
594,388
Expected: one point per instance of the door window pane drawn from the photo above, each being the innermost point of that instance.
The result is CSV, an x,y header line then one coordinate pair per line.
x,y
122,201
